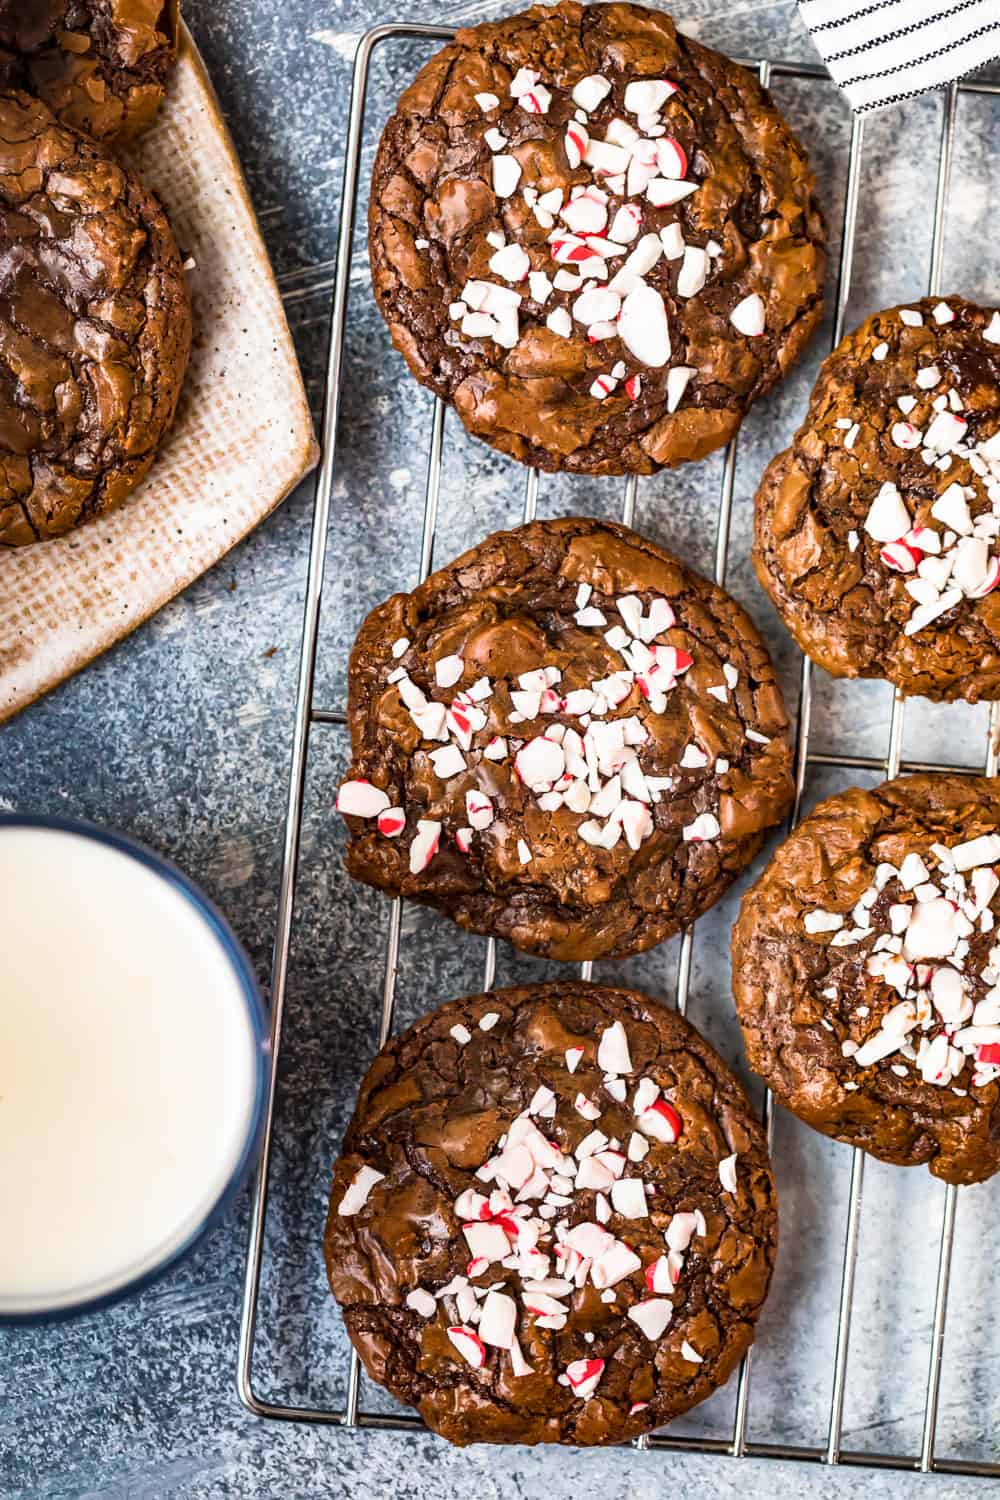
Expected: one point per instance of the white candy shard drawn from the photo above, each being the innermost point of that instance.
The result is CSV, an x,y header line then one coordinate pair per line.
x,y
612,1050
747,317
727,1173
589,92
469,1345
356,1195
425,844
645,96
498,1320
506,175
359,799
887,519
652,1316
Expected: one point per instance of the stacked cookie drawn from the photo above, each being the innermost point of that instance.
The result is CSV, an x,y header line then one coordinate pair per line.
x,y
554,1216
94,309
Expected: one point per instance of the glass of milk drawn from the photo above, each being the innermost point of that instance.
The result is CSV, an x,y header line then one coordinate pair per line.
x,y
133,1076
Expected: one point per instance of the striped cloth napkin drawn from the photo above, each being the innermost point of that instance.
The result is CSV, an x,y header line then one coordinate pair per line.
x,y
881,51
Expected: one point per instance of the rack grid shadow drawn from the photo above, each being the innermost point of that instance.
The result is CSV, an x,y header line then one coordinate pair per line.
x,y
308,715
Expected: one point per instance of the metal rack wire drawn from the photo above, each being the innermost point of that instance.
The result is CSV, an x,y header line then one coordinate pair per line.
x,y
309,714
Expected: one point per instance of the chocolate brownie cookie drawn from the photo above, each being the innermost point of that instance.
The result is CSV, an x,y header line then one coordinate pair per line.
x,y
566,738
595,237
95,326
866,970
100,65
554,1219
876,531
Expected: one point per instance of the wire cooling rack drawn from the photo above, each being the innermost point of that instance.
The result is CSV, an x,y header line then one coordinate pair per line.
x,y
308,715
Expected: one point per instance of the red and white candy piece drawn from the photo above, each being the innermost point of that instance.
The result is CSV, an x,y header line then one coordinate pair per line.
x,y
536,100
626,223
478,809
671,157
523,80
747,317
584,1375
469,1345
359,799
888,518
391,822
705,827
425,844
657,1275
587,213
661,1122
900,557
989,580
905,435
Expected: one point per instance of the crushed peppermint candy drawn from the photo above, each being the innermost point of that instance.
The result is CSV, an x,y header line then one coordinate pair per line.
x,y
590,750
593,244
932,1000
530,1251
946,551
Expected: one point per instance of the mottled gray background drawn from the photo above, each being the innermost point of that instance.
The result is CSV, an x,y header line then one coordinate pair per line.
x,y
181,736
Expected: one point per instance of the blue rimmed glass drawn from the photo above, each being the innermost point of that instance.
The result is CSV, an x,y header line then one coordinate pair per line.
x,y
256,1017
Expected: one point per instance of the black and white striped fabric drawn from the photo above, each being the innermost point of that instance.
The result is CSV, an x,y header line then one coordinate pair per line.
x,y
881,51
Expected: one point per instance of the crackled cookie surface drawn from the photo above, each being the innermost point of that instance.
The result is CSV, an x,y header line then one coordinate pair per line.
x,y
595,237
100,65
95,326
566,738
876,532
554,1218
866,970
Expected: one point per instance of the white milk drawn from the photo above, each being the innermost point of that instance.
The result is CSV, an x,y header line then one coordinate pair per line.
x,y
127,1069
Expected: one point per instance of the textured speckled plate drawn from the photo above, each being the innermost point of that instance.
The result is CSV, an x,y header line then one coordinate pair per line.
x,y
241,440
